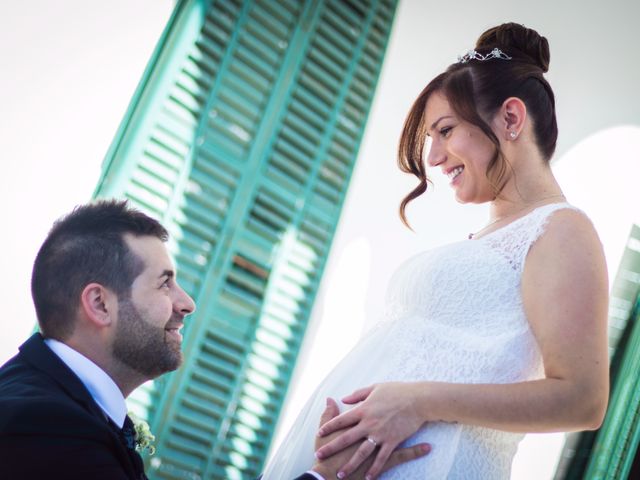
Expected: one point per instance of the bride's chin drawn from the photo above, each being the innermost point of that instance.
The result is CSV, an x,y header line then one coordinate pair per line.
x,y
461,199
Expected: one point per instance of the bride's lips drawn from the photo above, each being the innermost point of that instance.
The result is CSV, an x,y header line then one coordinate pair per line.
x,y
454,174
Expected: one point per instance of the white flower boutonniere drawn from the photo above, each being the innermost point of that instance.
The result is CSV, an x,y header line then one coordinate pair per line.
x,y
144,437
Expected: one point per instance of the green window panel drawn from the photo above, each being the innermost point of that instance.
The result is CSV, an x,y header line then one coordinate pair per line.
x,y
609,453
241,139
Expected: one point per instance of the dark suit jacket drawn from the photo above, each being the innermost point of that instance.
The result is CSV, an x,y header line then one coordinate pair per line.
x,y
50,426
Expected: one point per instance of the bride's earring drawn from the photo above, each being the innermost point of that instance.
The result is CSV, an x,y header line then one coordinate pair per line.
x,y
513,135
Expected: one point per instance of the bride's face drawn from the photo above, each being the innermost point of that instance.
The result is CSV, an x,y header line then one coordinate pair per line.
x,y
460,149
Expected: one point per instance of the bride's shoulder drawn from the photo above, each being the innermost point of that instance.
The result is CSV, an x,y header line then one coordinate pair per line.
x,y
568,224
568,235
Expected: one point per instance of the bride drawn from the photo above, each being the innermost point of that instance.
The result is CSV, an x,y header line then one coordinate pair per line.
x,y
490,337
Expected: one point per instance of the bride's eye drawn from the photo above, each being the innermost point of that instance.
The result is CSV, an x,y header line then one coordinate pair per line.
x,y
445,131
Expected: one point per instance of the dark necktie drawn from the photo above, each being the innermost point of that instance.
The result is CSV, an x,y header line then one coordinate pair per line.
x,y
127,436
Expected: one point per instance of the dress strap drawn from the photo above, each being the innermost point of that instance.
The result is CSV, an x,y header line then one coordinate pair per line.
x,y
541,216
515,240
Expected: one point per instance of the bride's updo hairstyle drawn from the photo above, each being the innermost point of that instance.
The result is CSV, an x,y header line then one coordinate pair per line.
x,y
476,89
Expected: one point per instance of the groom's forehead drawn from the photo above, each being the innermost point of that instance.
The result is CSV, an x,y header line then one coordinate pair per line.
x,y
153,254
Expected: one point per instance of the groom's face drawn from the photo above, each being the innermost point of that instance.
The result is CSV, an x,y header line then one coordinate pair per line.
x,y
147,337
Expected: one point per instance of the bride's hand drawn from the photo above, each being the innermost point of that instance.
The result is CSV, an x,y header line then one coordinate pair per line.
x,y
387,416
329,467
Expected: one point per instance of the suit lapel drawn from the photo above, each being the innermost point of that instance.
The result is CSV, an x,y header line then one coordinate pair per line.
x,y
36,352
42,358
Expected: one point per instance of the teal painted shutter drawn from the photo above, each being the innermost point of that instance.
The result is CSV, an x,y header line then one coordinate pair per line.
x,y
609,452
242,139
616,442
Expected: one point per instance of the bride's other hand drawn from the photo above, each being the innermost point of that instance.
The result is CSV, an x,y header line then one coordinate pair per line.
x,y
387,416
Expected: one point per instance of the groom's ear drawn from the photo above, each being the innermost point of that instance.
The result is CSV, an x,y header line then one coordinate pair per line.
x,y
98,305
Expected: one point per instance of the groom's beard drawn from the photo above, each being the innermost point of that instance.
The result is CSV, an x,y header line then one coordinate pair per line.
x,y
142,346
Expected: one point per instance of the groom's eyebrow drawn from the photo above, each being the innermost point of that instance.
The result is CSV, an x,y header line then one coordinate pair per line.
x,y
167,273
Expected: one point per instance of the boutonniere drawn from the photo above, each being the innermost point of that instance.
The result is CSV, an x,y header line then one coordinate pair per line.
x,y
144,437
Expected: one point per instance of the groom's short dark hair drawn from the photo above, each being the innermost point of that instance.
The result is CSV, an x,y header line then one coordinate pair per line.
x,y
86,246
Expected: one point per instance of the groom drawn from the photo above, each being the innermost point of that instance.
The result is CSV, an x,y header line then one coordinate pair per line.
x,y
110,311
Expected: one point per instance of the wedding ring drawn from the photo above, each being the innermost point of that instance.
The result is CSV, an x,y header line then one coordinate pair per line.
x,y
371,440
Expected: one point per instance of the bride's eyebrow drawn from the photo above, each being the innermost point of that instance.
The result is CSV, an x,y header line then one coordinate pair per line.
x,y
435,124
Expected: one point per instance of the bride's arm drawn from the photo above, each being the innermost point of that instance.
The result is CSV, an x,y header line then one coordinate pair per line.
x,y
564,290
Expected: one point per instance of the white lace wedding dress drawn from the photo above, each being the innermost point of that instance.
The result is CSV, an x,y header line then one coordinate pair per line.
x,y
454,314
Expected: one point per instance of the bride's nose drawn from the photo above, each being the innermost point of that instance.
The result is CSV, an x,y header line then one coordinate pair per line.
x,y
436,154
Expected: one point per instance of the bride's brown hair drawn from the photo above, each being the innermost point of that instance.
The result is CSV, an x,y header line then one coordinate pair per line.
x,y
476,90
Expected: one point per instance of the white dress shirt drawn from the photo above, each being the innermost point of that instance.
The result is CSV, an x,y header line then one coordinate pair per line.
x,y
100,385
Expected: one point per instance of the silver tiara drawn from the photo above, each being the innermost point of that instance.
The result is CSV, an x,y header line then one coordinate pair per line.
x,y
473,55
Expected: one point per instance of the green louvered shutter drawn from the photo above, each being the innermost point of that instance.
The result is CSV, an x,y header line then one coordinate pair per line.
x,y
617,441
241,139
609,452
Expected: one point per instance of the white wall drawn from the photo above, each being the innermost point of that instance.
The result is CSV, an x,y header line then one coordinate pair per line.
x,y
69,69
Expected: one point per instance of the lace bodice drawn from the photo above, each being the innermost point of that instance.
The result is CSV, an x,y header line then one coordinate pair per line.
x,y
455,283
453,314
467,294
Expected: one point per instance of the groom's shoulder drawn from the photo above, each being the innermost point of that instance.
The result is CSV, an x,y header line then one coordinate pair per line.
x,y
19,380
43,439
51,424
20,416
32,402
18,370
